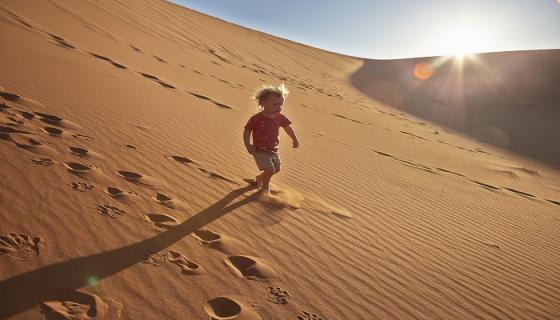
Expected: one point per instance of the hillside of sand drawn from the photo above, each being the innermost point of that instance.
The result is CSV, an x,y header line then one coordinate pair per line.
x,y
123,192
507,99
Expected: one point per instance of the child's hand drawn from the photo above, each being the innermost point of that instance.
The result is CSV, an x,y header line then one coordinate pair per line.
x,y
295,144
251,148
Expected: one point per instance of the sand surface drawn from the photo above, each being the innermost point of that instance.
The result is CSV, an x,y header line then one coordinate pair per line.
x,y
123,192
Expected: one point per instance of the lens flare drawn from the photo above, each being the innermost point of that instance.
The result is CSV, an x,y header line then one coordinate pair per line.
x,y
423,71
92,281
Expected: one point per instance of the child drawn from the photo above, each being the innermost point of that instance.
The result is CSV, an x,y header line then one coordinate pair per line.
x,y
264,127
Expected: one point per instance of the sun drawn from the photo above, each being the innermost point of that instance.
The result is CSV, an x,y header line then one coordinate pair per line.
x,y
462,41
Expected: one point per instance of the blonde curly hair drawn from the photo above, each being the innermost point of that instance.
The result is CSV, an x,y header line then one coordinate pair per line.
x,y
266,90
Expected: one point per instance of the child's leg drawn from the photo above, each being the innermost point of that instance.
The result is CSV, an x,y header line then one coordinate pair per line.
x,y
259,180
265,176
269,163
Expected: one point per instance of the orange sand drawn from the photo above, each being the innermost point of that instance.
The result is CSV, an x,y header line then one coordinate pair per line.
x,y
122,166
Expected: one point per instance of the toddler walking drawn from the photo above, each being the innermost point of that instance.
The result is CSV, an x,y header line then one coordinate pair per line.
x,y
264,127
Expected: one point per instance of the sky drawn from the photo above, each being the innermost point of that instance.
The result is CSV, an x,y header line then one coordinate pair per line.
x,y
389,29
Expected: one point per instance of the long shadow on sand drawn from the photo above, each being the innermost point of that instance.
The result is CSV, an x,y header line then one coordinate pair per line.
x,y
27,290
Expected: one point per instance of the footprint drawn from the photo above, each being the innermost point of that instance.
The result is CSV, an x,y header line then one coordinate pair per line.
x,y
221,105
149,76
384,154
250,268
118,193
55,132
181,159
20,246
413,135
415,165
527,171
161,220
13,117
14,121
200,96
220,242
61,42
304,315
481,151
213,52
166,85
81,186
137,178
100,57
19,19
343,117
113,212
525,194
116,64
79,169
19,99
167,201
43,161
223,308
507,173
205,98
9,130
9,96
451,172
74,305
136,49
158,80
82,152
161,198
4,107
277,295
486,186
187,266
82,136
35,146
56,121
159,59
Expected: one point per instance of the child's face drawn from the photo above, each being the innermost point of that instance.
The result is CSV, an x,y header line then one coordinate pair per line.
x,y
272,104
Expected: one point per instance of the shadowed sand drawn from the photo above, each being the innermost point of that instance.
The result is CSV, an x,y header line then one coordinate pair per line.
x,y
508,99
26,290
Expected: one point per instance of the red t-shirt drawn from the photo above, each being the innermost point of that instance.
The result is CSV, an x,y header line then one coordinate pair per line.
x,y
265,130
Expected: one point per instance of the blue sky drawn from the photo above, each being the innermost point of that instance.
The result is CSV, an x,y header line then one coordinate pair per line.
x,y
387,29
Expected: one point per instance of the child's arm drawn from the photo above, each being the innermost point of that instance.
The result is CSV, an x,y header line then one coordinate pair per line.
x,y
292,135
247,140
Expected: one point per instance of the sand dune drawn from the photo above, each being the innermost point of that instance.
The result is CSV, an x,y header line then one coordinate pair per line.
x,y
125,189
508,99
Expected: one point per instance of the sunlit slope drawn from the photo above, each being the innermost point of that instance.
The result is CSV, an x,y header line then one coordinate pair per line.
x,y
123,191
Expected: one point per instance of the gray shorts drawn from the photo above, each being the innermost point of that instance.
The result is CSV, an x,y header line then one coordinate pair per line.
x,y
267,160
